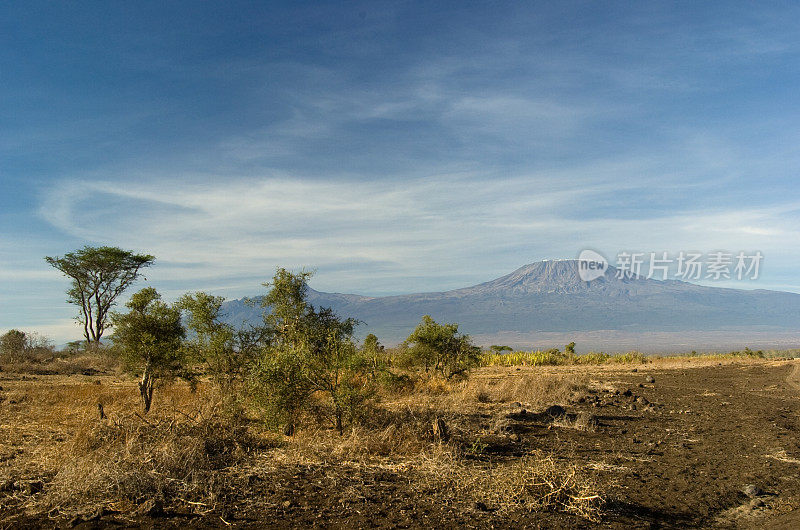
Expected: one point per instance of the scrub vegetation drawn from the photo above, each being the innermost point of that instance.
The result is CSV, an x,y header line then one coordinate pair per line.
x,y
183,419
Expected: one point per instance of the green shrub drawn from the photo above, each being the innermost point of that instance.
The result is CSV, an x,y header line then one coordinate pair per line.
x,y
311,354
148,338
440,348
226,353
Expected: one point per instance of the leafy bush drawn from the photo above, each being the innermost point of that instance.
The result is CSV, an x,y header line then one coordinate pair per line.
x,y
226,353
13,343
148,338
312,354
439,347
279,388
394,382
373,352
747,352
17,346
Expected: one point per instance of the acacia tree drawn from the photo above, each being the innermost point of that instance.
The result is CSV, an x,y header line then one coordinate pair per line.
x,y
99,275
227,352
278,381
311,352
149,338
287,305
440,347
335,367
373,350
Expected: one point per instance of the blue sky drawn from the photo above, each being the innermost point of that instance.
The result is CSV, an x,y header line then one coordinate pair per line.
x,y
394,147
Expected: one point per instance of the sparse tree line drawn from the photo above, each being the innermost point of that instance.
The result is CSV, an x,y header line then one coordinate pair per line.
x,y
298,359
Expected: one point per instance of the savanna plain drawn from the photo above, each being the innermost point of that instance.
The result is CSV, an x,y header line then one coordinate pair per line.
x,y
527,441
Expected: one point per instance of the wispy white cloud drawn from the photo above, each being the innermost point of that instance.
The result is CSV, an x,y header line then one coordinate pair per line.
x,y
440,226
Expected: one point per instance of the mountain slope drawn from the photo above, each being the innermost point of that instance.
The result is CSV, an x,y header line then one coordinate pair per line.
x,y
549,296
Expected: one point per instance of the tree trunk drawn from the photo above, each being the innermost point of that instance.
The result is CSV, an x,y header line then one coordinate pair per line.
x,y
146,388
339,426
337,414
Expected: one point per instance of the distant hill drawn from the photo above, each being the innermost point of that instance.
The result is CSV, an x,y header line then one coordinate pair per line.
x,y
548,299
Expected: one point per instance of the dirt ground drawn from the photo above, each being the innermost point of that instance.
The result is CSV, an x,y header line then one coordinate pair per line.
x,y
669,444
687,460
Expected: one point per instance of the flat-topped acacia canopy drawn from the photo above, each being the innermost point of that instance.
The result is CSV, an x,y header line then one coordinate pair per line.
x,y
99,275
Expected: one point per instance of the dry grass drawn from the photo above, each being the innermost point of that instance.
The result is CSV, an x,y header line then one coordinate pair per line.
x,y
536,481
490,385
197,459
52,364
52,432
532,389
398,436
581,422
189,463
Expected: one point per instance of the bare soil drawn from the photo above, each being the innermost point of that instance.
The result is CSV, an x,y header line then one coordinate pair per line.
x,y
705,444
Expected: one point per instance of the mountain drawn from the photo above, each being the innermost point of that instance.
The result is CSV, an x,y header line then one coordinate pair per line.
x,y
548,299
